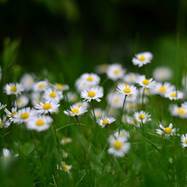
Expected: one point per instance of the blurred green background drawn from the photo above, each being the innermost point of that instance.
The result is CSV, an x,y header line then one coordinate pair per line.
x,y
63,34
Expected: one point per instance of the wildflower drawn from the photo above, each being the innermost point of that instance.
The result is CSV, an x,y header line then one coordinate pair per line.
x,y
72,97
184,140
22,101
47,107
11,115
142,117
166,131
27,81
24,115
143,58
64,167
115,99
126,89
105,121
178,111
162,88
6,153
13,89
144,82
95,93
115,72
98,113
2,106
90,79
118,144
61,87
40,86
76,110
162,73
174,95
65,140
39,123
102,68
52,95
131,78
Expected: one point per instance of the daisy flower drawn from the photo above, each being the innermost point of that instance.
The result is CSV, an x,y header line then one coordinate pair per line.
x,y
64,167
39,123
115,99
178,111
40,86
76,110
126,89
52,95
118,145
143,58
166,131
90,79
115,72
142,117
105,121
61,87
95,93
162,73
23,115
72,97
174,95
13,89
102,68
27,81
11,115
22,101
162,88
47,107
131,78
184,140
144,82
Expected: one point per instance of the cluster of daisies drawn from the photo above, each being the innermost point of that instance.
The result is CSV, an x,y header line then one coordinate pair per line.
x,y
36,101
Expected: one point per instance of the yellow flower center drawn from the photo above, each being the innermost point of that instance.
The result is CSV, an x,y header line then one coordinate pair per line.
x,y
53,94
91,93
117,144
47,106
75,110
162,89
41,85
24,115
105,121
173,94
59,86
13,88
185,141
181,111
141,58
40,122
142,116
90,78
146,82
117,71
127,90
168,130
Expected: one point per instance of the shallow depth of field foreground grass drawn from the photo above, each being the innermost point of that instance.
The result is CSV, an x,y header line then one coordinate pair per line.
x,y
108,127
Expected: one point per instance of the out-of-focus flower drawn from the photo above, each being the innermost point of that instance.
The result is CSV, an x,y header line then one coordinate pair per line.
x,y
174,95
21,101
115,99
61,87
40,86
13,88
143,58
184,140
179,111
162,73
27,80
162,88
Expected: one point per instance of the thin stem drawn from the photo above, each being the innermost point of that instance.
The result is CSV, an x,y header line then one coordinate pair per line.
x,y
143,93
124,101
93,111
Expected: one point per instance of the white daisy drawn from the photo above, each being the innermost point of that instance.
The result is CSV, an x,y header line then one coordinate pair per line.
x,y
184,140
162,73
40,86
115,99
52,95
126,89
162,88
21,101
166,131
90,79
174,95
142,117
95,93
105,121
47,107
143,58
76,110
61,87
131,78
39,123
72,97
144,82
115,72
13,88
27,81
11,115
178,111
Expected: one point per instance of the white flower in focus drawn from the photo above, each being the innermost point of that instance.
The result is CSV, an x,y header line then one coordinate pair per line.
x,y
143,58
39,123
13,89
105,121
162,74
76,110
142,117
95,93
115,72
166,131
47,107
126,89
144,82
91,79
184,140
